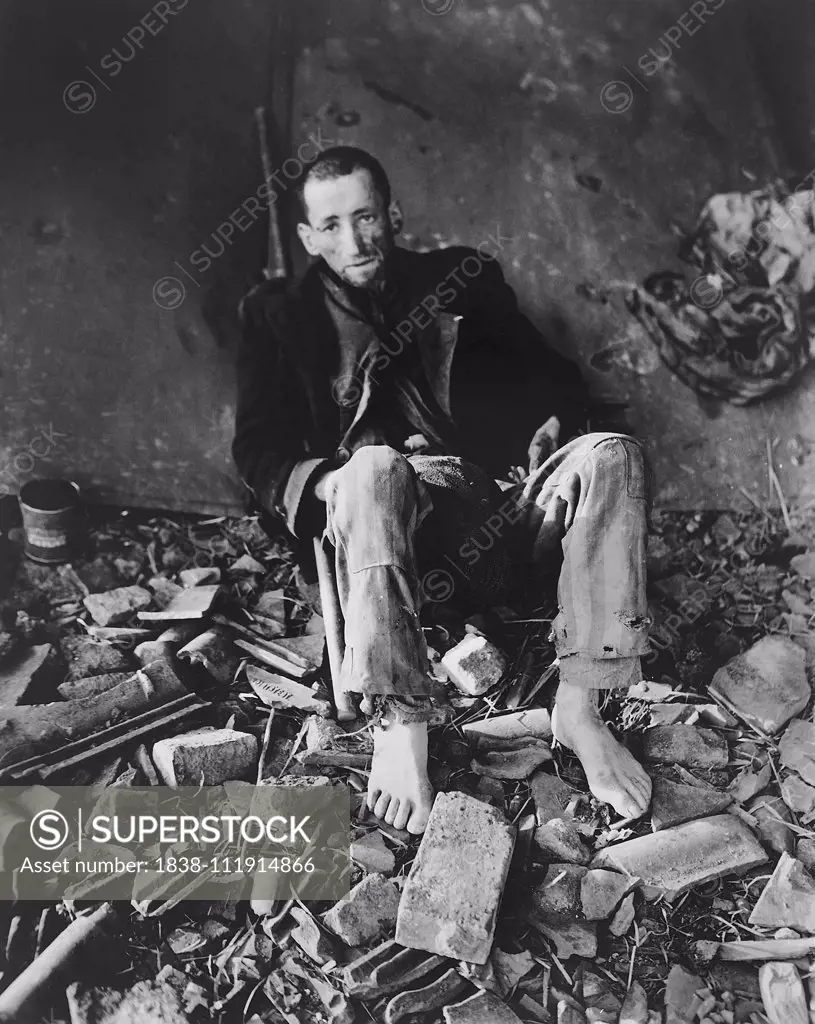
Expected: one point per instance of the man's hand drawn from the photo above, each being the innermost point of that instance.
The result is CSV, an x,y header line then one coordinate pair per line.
x,y
544,443
322,484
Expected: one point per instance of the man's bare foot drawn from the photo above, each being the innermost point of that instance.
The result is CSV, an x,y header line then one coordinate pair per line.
x,y
613,774
399,789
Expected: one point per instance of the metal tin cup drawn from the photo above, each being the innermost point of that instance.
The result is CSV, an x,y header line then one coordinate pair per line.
x,y
50,511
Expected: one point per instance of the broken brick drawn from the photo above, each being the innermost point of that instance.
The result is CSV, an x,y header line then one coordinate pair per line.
x,y
782,993
772,814
512,764
447,907
189,603
678,858
749,783
531,724
550,794
788,899
86,657
797,749
311,938
206,758
767,684
367,913
482,1008
685,745
113,607
601,891
423,1000
624,916
798,796
559,840
680,992
73,689
371,853
673,804
474,665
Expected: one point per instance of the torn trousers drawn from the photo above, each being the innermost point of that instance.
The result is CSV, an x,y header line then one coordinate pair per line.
x,y
384,525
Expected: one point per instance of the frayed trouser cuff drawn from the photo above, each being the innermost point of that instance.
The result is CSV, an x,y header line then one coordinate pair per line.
x,y
599,673
385,708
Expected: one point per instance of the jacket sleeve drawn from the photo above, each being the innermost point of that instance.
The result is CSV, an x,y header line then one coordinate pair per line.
x,y
268,446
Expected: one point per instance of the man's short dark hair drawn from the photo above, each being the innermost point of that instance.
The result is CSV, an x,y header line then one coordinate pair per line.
x,y
338,162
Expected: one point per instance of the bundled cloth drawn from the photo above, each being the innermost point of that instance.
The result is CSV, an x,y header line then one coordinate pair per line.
x,y
745,326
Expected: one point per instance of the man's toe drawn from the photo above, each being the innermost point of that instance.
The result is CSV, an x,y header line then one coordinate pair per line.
x,y
374,794
392,811
381,806
402,815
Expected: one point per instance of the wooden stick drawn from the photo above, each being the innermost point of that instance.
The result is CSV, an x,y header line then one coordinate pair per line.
x,y
272,660
261,641
29,994
334,630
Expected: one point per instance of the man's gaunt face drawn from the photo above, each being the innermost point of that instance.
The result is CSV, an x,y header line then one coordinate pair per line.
x,y
349,226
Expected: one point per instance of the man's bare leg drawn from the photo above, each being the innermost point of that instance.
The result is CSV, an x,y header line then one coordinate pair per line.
x,y
399,789
613,774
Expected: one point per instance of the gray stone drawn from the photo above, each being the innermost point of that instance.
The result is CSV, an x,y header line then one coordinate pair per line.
x,y
805,852
559,840
673,804
451,898
116,606
474,665
531,724
771,813
749,783
624,916
685,745
86,657
206,758
601,891
782,993
635,1006
482,1008
512,764
788,899
797,749
678,858
550,794
367,913
371,853
798,796
571,938
767,684
680,994
568,1013
198,576
558,895
804,564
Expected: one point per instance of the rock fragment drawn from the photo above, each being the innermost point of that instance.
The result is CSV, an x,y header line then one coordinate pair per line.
x,y
788,899
451,898
673,804
512,764
206,758
767,684
532,724
556,909
805,853
680,995
678,858
198,576
113,607
87,657
601,891
482,1008
550,794
782,993
367,913
371,853
798,796
804,564
749,783
797,749
559,840
474,665
635,1006
685,745
772,815
624,916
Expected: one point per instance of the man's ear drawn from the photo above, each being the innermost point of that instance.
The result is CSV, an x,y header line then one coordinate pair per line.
x,y
396,216
306,236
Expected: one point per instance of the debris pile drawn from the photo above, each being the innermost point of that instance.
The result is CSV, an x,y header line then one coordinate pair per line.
x,y
183,651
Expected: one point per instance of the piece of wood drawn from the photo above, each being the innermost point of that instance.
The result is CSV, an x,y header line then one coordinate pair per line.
x,y
27,998
273,660
335,759
274,647
192,603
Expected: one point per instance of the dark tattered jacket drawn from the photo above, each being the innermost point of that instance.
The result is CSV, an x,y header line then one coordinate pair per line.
x,y
449,357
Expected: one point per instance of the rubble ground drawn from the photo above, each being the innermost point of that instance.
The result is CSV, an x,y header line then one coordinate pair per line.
x,y
537,907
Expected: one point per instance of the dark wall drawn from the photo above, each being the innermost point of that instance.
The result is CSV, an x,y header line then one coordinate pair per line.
x,y
105,190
